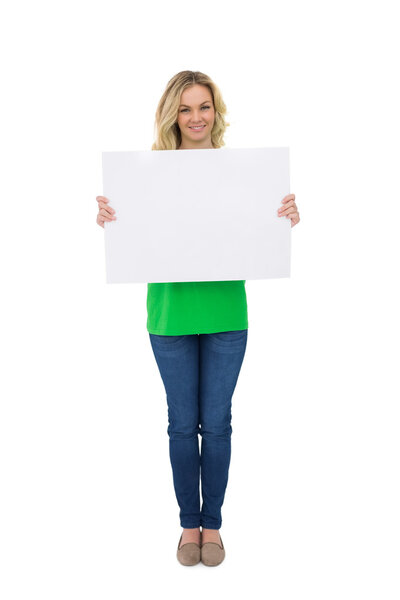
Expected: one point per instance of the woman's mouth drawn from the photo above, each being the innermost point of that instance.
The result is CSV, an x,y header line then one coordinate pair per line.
x,y
197,128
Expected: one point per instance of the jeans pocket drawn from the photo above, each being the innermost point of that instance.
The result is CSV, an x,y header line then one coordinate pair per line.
x,y
165,341
230,336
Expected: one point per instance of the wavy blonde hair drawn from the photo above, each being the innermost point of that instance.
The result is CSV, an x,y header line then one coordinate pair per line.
x,y
166,129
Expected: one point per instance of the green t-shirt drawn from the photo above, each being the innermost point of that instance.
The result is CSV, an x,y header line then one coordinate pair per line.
x,y
189,307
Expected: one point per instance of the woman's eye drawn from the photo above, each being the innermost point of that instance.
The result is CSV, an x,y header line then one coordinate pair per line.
x,y
185,109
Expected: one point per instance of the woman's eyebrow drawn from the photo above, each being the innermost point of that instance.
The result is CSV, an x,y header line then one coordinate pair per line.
x,y
206,101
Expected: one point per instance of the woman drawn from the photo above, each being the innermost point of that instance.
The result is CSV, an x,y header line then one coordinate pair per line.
x,y
198,333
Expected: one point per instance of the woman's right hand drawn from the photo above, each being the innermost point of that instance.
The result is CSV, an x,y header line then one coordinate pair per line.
x,y
106,213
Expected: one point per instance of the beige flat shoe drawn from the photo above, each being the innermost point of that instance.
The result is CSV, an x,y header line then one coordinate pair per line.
x,y
212,554
189,554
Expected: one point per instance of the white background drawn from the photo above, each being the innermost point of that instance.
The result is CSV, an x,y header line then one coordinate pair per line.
x,y
87,506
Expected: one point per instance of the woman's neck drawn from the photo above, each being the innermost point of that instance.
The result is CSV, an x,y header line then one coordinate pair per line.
x,y
190,147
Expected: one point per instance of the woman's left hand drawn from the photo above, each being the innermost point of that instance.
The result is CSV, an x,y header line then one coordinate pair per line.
x,y
289,209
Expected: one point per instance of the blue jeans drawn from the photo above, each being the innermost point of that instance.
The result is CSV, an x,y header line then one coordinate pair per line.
x,y
199,373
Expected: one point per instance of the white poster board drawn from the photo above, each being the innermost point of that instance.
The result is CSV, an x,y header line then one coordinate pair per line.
x,y
196,215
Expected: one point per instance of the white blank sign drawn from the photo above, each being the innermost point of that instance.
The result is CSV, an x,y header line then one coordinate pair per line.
x,y
196,215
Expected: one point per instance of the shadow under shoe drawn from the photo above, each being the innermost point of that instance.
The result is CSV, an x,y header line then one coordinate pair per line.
x,y
189,554
212,554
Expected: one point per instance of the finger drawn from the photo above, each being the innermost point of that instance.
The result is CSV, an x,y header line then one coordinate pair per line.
x,y
106,217
288,197
103,201
290,206
107,214
288,211
106,208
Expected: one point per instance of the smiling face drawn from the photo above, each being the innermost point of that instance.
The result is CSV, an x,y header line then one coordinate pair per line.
x,y
196,109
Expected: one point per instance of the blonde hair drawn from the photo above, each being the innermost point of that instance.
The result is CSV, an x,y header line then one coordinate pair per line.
x,y
167,133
